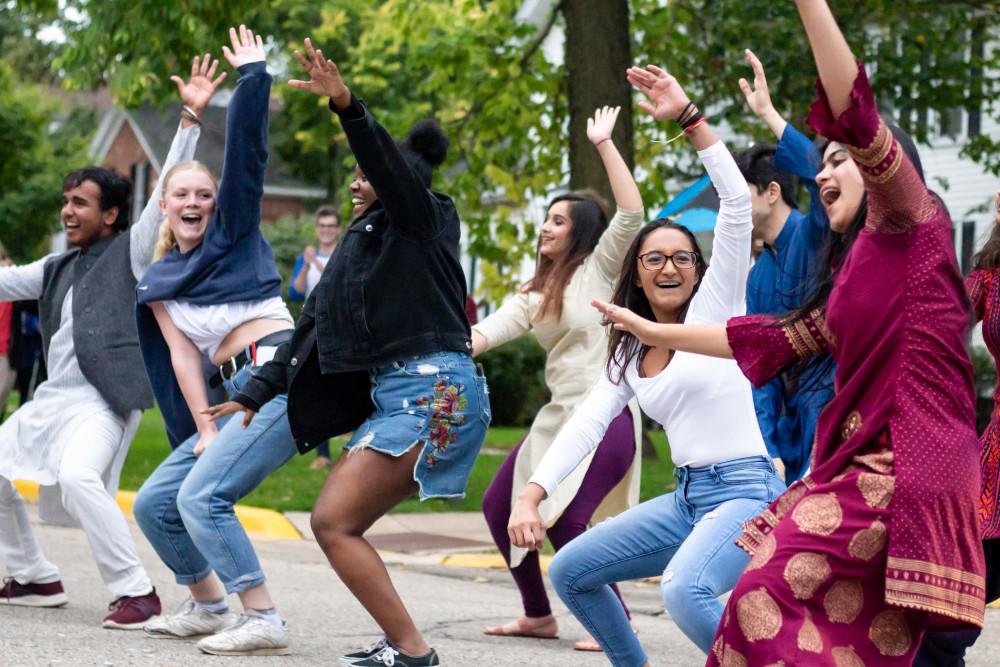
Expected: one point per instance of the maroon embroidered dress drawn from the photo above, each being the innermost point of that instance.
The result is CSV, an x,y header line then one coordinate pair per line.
x,y
881,539
984,291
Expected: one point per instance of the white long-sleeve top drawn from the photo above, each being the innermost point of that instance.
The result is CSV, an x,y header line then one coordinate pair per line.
x,y
33,439
704,404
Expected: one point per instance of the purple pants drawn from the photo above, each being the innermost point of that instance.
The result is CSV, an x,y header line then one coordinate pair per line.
x,y
611,462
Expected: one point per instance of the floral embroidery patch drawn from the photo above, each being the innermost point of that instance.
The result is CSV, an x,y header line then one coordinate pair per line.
x,y
445,401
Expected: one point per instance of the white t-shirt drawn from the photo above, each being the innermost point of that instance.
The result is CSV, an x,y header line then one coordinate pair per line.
x,y
312,277
208,326
704,404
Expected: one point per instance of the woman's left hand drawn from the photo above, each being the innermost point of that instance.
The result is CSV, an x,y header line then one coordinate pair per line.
x,y
602,124
324,76
247,48
624,319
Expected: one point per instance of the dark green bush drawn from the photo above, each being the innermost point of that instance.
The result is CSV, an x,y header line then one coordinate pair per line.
x,y
516,375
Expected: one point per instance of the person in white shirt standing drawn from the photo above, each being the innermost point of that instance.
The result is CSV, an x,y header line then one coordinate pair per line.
x,y
705,405
305,274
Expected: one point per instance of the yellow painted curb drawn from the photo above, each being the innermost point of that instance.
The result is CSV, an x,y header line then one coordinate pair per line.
x,y
487,561
260,523
994,605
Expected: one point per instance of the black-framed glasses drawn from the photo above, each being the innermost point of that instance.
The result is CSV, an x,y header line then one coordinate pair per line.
x,y
656,260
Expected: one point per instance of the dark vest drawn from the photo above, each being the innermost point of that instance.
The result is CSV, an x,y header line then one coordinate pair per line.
x,y
104,330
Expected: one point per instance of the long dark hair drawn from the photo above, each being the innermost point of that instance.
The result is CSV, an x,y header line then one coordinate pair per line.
x,y
837,247
989,256
623,347
588,218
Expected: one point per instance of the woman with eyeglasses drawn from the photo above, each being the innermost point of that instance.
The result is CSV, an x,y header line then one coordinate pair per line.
x,y
705,405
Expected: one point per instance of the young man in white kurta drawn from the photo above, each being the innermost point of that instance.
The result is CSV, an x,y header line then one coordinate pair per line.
x,y
69,440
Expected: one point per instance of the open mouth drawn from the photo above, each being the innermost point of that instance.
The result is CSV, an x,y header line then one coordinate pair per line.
x,y
357,201
545,239
668,284
192,219
829,195
70,225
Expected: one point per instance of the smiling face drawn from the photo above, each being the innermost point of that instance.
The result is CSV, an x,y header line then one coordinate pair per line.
x,y
362,193
668,288
188,203
554,236
327,230
84,221
840,186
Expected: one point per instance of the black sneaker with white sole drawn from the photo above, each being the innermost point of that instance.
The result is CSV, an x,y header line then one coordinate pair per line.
x,y
367,652
390,656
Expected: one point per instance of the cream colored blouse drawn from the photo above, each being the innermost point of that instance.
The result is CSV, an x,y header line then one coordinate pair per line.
x,y
576,347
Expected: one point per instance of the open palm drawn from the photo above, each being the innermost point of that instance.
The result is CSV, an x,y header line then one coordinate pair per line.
x,y
602,124
198,90
247,47
759,96
666,99
324,76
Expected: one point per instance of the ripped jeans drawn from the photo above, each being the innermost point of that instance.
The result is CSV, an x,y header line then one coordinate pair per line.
x,y
688,536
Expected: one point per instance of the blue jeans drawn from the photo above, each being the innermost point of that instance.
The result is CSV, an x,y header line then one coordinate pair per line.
x,y
687,536
185,508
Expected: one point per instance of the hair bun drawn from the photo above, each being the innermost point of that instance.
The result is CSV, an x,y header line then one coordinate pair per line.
x,y
428,140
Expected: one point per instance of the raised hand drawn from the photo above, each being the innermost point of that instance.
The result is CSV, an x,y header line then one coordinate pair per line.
x,y
666,98
602,124
758,97
198,90
247,47
324,77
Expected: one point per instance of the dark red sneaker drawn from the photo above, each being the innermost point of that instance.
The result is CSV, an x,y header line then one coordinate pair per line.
x,y
131,613
32,595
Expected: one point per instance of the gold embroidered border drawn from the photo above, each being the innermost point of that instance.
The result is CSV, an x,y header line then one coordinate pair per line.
x,y
879,148
889,172
943,571
802,339
819,317
918,589
975,616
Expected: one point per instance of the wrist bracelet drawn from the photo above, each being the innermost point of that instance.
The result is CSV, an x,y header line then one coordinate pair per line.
x,y
602,141
691,120
680,118
689,130
190,114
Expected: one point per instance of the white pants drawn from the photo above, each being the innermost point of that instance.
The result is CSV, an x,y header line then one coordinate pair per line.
x,y
88,456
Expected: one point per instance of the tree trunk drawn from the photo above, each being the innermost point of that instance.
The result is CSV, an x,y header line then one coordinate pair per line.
x,y
597,54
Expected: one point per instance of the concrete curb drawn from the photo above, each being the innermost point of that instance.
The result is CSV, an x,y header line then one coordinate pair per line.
x,y
487,561
262,524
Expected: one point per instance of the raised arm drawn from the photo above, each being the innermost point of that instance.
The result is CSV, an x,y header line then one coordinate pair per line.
x,y
242,184
759,97
408,201
629,216
187,363
723,289
578,437
195,94
846,112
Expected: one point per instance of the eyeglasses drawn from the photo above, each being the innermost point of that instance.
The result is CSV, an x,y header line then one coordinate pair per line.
x,y
320,225
655,260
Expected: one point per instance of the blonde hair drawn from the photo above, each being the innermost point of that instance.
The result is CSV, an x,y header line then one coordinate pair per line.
x,y
165,241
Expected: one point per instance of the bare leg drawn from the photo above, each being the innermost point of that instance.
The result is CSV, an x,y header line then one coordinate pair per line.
x,y
257,598
207,590
345,509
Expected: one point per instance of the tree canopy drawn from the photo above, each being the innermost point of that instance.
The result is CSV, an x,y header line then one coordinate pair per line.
x,y
506,105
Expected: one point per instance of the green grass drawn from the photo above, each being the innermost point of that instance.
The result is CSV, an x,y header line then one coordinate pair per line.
x,y
295,487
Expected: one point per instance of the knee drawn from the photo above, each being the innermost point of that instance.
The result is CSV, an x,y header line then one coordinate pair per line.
x,y
144,507
677,590
193,504
563,574
330,528
72,480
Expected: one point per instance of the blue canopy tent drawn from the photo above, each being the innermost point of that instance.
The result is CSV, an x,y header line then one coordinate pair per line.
x,y
695,207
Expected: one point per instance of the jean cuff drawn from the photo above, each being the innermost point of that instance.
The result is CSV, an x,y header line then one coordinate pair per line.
x,y
192,579
245,582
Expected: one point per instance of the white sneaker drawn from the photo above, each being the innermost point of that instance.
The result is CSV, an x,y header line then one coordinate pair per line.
x,y
251,635
187,622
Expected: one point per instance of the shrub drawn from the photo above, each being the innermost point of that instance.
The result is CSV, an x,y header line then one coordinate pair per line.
x,y
516,375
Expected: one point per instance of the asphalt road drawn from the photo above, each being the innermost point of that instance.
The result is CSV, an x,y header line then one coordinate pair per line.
x,y
451,605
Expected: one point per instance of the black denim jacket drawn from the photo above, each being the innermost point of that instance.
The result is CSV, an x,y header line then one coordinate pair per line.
x,y
394,288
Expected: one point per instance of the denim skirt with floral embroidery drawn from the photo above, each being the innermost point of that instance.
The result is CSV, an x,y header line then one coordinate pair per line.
x,y
438,402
